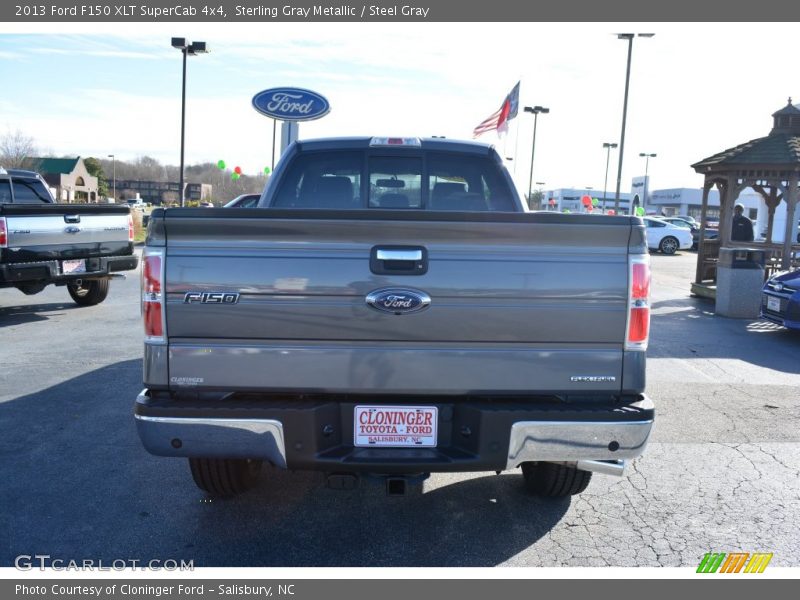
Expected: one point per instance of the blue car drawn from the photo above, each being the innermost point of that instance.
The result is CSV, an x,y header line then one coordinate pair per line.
x,y
780,300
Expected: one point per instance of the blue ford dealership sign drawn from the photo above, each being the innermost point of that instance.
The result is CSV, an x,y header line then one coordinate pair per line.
x,y
291,104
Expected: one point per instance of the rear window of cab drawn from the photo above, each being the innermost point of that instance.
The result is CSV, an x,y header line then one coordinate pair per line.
x,y
439,181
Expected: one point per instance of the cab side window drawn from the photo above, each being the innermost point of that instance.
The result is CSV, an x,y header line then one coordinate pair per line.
x,y
5,192
30,191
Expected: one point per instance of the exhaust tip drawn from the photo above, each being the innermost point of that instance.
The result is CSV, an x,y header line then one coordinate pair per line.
x,y
608,467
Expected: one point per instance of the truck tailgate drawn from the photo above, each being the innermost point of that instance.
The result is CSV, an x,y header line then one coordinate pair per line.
x,y
518,305
41,232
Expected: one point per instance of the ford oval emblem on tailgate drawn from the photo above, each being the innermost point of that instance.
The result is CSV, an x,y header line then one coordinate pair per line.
x,y
398,301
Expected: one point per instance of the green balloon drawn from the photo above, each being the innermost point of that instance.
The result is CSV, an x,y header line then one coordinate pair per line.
x,y
220,164
566,210
235,176
595,202
639,211
266,170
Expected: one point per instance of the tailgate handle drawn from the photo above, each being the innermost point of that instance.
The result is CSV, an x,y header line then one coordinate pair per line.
x,y
398,260
383,254
72,218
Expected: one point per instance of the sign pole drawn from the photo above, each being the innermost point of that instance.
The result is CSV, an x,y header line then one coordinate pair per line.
x,y
274,129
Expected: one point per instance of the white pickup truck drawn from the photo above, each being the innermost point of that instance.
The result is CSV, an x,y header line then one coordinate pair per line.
x,y
80,246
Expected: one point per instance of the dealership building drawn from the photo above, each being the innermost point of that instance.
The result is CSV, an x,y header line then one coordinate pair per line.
x,y
669,202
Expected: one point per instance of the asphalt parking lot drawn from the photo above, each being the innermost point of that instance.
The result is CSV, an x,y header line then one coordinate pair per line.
x,y
721,472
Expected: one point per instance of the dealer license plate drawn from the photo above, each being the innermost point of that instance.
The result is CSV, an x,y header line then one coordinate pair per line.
x,y
68,267
773,304
395,426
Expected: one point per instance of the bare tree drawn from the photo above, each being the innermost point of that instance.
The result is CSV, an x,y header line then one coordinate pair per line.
x,y
17,150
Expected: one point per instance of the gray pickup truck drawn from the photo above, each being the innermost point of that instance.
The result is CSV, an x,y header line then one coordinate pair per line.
x,y
80,246
391,309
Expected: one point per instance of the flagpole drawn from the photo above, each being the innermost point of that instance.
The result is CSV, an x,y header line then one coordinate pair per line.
x,y
516,141
516,147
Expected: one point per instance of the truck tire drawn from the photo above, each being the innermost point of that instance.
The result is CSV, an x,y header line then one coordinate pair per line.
x,y
88,292
669,245
224,476
554,480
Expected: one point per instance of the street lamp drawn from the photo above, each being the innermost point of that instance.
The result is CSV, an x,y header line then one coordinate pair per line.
x,y
608,146
647,158
187,49
535,110
114,169
629,37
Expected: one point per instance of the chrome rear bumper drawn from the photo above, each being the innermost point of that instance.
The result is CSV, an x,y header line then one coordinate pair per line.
x,y
500,442
569,441
213,438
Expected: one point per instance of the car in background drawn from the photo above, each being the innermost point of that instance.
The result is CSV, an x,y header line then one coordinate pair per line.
x,y
666,237
780,300
693,227
244,201
136,204
691,220
680,222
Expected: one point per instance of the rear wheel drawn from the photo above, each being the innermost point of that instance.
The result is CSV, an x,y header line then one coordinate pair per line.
x,y
669,245
224,476
554,480
88,292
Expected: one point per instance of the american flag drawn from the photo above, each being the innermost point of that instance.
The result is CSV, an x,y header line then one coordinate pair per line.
x,y
499,119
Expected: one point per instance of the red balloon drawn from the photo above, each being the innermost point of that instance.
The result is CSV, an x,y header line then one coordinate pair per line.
x,y
587,200
611,212
589,207
238,170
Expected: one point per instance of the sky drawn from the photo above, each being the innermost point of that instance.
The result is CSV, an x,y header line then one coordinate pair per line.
x,y
696,89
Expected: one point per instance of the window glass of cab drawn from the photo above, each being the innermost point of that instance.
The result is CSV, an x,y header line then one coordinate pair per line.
x,y
322,180
5,192
30,191
395,182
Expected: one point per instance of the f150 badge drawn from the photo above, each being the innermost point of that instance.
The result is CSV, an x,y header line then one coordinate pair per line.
x,y
398,301
211,297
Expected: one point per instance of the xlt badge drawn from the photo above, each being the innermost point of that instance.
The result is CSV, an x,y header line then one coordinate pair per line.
x,y
211,297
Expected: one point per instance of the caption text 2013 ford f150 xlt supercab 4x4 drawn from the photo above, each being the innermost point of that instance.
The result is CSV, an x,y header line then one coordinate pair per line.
x,y
391,309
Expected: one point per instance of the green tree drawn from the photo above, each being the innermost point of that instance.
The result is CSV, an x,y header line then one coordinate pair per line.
x,y
536,200
96,170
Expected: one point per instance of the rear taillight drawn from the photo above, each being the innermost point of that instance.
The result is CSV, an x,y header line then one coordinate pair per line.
x,y
130,227
639,304
3,233
153,296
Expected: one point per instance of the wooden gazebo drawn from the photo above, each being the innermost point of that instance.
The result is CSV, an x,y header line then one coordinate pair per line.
x,y
769,165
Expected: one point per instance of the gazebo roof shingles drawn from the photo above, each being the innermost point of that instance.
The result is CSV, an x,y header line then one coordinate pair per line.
x,y
779,149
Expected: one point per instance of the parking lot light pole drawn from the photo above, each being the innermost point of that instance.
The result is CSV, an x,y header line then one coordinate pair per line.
x,y
629,37
187,49
608,146
113,158
535,110
647,158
